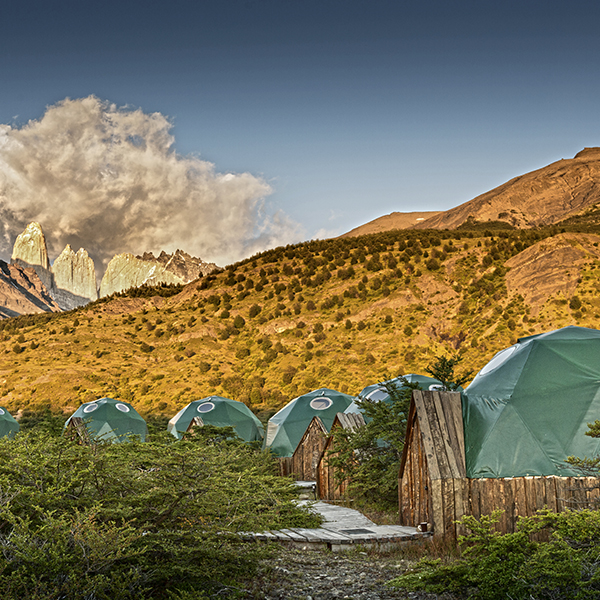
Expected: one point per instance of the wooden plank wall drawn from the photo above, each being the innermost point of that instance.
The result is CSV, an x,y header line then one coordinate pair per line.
x,y
285,466
413,490
307,455
77,431
329,488
432,486
523,496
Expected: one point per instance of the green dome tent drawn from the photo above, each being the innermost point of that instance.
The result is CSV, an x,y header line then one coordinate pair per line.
x,y
527,410
286,428
9,426
221,412
110,420
377,392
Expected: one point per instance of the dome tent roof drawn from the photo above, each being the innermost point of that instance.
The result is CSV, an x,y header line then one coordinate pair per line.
x,y
221,412
107,419
527,410
286,428
9,426
377,392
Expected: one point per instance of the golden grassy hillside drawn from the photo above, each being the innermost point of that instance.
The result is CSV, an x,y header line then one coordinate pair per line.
x,y
340,313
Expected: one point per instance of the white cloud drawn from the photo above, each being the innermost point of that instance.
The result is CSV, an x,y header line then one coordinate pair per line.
x,y
107,179
325,234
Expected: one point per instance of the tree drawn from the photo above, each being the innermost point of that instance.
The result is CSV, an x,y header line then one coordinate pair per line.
x,y
443,369
369,457
589,467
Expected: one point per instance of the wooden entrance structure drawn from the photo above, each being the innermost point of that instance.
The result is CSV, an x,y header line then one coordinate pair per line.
x,y
433,487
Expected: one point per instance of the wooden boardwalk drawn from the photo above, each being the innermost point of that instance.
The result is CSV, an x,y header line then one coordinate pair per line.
x,y
342,528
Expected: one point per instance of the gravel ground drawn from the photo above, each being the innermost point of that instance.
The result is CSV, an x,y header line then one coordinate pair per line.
x,y
320,575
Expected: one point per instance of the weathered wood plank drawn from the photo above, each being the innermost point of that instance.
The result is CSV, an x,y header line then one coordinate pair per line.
x,y
409,436
455,416
520,499
443,403
431,417
449,508
540,492
551,494
474,497
426,436
437,516
461,503
561,494
296,537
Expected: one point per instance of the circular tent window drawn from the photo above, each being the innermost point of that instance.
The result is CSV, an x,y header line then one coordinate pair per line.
x,y
321,403
122,407
2,411
205,407
498,360
90,408
378,394
436,387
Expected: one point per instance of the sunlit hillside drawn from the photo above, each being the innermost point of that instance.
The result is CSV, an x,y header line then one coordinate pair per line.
x,y
340,313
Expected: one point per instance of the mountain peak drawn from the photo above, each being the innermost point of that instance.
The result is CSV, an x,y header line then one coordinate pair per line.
x,y
588,152
30,249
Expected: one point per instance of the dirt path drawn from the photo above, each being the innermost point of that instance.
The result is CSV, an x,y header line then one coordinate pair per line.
x,y
320,575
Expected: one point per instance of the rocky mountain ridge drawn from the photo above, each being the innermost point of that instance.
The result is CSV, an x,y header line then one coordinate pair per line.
x,y
71,280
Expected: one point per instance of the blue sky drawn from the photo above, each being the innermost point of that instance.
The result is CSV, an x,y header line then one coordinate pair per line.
x,y
349,109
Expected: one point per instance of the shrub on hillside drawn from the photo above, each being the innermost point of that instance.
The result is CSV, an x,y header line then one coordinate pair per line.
x,y
254,311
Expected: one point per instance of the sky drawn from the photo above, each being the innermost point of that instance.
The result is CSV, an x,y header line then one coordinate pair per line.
x,y
304,119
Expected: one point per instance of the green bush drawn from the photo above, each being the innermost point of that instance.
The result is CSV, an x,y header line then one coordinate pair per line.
x,y
134,521
497,566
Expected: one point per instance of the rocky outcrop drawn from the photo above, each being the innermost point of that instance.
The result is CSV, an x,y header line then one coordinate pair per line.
x,y
30,251
22,292
125,271
74,279
182,264
71,280
551,266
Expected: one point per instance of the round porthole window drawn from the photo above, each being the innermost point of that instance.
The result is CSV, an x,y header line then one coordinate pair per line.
x,y
2,411
122,407
205,407
436,387
321,403
90,408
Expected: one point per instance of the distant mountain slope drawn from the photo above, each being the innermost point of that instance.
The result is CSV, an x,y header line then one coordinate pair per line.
x,y
340,313
395,220
543,197
21,291
568,189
